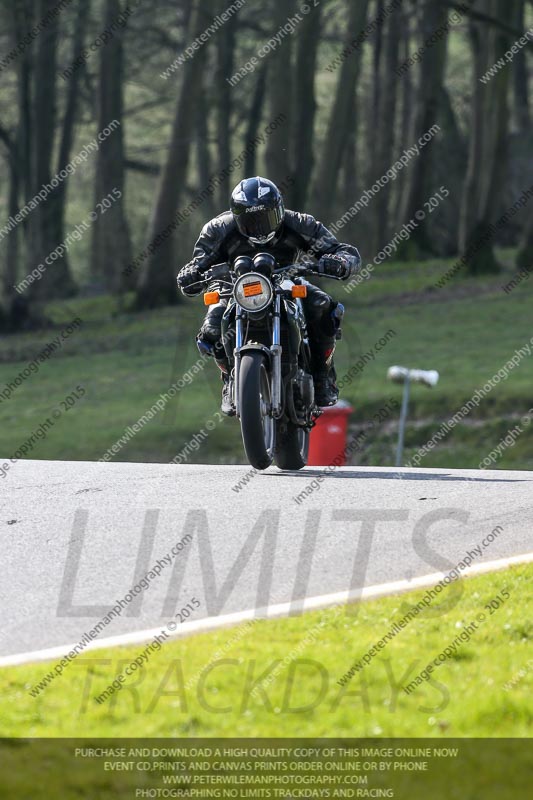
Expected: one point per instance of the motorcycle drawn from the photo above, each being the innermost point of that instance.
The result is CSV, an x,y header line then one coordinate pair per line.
x,y
265,338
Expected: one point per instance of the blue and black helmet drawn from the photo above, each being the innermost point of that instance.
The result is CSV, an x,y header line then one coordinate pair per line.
x,y
257,208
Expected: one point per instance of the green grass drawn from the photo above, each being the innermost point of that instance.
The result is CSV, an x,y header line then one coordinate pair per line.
x,y
467,331
465,698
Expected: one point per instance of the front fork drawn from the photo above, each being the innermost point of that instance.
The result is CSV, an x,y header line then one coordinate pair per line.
x,y
276,357
237,357
275,352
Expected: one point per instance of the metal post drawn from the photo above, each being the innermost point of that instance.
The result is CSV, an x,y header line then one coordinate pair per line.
x,y
403,418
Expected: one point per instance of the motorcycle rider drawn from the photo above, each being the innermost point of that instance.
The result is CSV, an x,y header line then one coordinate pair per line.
x,y
258,222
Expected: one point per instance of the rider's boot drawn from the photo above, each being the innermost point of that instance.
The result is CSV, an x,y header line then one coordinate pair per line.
x,y
323,348
226,405
326,389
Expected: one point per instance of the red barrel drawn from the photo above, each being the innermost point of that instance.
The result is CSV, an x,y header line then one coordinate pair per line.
x,y
327,443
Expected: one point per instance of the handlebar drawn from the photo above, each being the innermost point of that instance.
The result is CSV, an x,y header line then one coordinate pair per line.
x,y
222,272
296,269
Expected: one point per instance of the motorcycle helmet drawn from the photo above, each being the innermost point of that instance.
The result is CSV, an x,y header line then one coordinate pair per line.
x,y
258,210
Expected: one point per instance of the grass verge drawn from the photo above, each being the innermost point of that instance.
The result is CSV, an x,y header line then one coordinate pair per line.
x,y
203,685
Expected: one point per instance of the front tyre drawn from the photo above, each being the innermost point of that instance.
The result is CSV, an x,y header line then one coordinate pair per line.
x,y
292,445
257,425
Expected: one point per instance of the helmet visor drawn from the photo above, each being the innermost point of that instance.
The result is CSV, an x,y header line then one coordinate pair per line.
x,y
258,223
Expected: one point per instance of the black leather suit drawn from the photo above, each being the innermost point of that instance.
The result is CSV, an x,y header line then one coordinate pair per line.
x,y
301,238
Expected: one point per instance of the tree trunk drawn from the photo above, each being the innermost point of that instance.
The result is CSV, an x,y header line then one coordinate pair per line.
x,y
350,184
23,14
324,192
203,154
9,276
14,307
426,114
111,243
406,119
520,76
158,283
12,246
384,133
449,168
254,121
225,58
305,107
488,128
17,310
278,155
42,227
375,91
524,259
69,122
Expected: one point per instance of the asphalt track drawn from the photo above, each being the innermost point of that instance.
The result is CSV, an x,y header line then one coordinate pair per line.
x,y
75,537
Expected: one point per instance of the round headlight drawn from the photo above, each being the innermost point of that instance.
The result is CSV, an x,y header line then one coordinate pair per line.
x,y
253,291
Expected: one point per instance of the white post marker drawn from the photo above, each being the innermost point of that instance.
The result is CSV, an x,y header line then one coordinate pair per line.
x,y
407,376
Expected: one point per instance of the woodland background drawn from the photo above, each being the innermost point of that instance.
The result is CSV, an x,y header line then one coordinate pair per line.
x,y
348,113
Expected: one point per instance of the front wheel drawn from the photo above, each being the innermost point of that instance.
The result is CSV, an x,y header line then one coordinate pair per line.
x,y
257,425
292,445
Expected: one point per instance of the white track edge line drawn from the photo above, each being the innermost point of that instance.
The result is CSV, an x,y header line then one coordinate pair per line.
x,y
271,612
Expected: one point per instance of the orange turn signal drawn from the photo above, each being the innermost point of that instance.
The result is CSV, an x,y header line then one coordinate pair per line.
x,y
299,291
211,298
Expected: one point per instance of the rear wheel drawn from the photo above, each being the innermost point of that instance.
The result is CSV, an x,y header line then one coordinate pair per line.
x,y
257,425
292,445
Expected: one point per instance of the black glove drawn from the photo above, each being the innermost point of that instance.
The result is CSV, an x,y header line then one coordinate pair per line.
x,y
335,265
190,280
